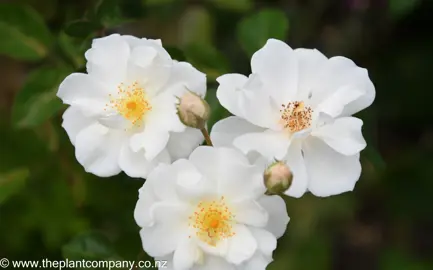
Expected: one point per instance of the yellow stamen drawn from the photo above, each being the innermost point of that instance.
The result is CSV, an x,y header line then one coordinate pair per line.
x,y
212,221
131,102
295,116
131,105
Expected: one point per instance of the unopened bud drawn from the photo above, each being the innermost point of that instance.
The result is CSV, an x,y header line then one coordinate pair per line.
x,y
278,178
193,111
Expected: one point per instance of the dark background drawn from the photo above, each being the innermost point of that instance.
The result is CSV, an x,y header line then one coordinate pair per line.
x,y
51,208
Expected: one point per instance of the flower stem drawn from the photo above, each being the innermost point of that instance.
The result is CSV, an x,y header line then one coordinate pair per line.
x,y
206,136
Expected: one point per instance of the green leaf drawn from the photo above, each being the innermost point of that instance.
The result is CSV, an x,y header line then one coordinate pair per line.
x,y
108,13
13,143
157,2
315,245
238,5
82,28
207,59
393,259
12,182
175,53
254,31
37,100
46,8
196,27
111,13
24,33
72,49
132,8
374,156
52,194
89,246
399,8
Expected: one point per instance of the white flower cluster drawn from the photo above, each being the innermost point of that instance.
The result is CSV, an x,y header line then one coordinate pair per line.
x,y
211,207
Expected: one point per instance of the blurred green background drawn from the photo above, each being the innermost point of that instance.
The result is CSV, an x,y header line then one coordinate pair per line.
x,y
51,208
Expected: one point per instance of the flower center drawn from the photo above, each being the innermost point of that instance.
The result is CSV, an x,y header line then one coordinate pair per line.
x,y
131,105
131,102
212,221
295,116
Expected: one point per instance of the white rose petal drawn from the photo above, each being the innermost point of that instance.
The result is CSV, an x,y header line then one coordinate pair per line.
x,y
292,99
320,160
210,213
122,114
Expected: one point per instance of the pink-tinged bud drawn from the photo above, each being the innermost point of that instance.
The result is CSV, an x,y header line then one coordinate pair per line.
x,y
278,178
193,111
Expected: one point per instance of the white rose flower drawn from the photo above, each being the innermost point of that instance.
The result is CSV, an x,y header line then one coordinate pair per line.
x,y
296,106
123,112
209,213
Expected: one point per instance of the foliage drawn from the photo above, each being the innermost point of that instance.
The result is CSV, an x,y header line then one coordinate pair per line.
x,y
51,208
24,33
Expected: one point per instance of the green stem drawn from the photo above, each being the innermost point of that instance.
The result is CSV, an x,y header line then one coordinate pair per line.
x,y
206,136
